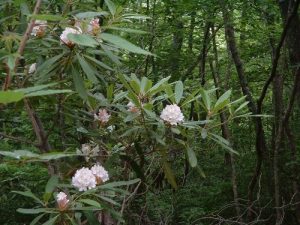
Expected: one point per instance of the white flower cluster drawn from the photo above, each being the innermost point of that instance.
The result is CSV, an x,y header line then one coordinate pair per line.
x,y
64,36
39,28
172,114
32,68
93,27
62,200
100,173
86,178
102,116
89,151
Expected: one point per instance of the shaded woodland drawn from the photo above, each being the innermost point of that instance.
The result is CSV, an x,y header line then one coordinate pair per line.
x,y
250,48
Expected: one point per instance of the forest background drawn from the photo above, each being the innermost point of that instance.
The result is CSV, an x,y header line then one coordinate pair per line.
x,y
231,66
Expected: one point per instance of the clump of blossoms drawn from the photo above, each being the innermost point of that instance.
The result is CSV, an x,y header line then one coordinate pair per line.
x,y
62,201
93,27
39,28
172,114
102,116
86,178
89,151
64,36
100,173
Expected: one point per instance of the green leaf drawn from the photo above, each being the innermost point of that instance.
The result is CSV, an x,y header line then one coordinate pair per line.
x,y
192,157
178,91
10,96
47,17
200,171
88,69
206,99
37,219
92,219
99,63
109,200
83,39
119,96
146,84
91,203
119,183
136,16
79,84
223,142
192,97
110,92
30,195
128,30
123,44
169,92
51,184
175,130
241,106
110,55
135,86
18,154
55,155
84,15
154,89
35,88
169,174
43,71
72,220
47,92
222,101
111,6
11,59
51,221
31,211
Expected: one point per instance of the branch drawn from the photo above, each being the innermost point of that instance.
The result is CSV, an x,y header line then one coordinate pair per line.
x,y
277,56
22,44
17,139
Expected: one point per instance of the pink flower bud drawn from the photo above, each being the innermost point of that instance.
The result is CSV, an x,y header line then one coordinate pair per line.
x,y
62,201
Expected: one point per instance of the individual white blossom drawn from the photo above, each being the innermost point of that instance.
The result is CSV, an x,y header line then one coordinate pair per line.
x,y
39,28
89,151
64,35
132,107
100,173
172,114
102,116
93,27
62,200
84,179
32,68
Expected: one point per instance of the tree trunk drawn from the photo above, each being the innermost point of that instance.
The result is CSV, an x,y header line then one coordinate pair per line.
x,y
226,135
203,53
260,137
